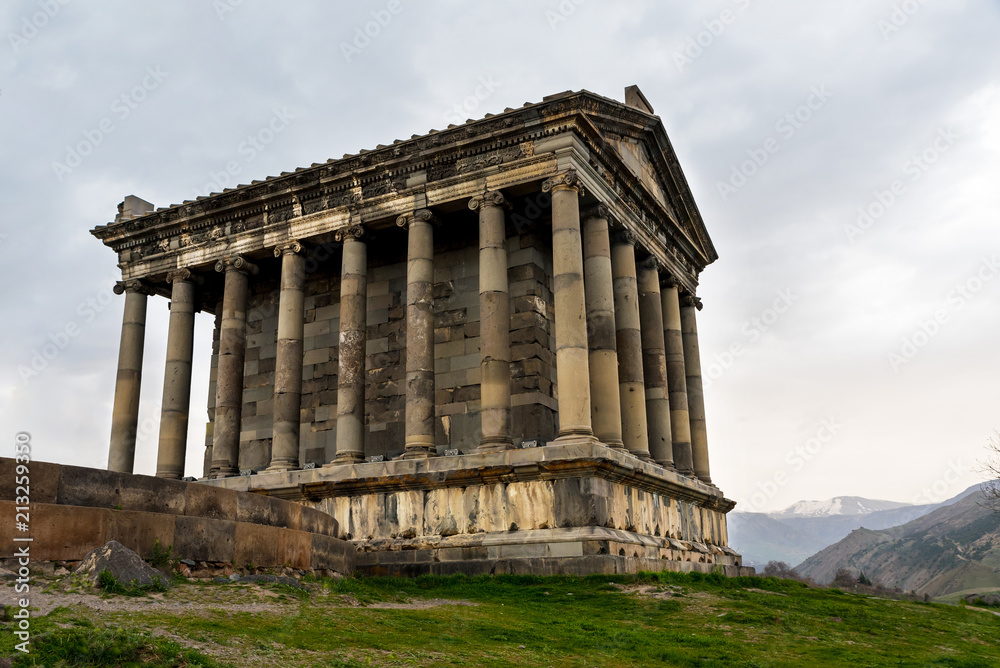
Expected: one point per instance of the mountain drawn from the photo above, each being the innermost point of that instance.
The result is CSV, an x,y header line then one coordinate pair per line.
x,y
806,527
953,548
838,505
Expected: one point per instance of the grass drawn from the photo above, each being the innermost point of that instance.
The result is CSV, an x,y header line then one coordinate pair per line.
x,y
674,620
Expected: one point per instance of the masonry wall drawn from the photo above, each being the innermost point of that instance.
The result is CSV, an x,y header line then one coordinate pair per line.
x,y
456,338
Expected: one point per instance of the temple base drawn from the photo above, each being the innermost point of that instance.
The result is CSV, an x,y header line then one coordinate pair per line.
x,y
570,509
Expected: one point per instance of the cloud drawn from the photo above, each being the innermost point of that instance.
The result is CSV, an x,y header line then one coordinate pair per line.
x,y
782,229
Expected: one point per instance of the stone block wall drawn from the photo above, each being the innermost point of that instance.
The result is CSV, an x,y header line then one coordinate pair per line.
x,y
456,337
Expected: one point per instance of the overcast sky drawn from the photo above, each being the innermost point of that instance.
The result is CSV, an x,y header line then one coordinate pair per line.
x,y
845,157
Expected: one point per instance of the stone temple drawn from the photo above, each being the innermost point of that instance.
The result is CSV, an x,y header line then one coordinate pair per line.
x,y
475,348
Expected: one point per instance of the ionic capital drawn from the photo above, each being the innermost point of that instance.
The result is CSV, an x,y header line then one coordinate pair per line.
x,y
237,263
651,262
691,300
289,247
568,180
418,216
669,281
133,285
623,236
353,232
598,211
185,275
489,198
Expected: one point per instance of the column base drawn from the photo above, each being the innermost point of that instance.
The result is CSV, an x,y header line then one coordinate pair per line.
x,y
170,475
669,466
641,456
574,439
345,458
617,445
281,467
224,472
495,445
418,452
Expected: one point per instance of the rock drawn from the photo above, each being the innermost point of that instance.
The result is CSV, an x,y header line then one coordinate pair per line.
x,y
189,562
123,563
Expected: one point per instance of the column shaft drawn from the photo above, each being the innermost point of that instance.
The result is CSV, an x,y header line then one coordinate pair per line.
x,y
680,421
288,359
229,376
177,377
654,365
572,364
629,344
125,414
494,320
605,407
353,337
696,397
419,428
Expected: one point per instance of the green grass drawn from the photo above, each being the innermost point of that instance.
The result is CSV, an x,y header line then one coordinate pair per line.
x,y
77,642
526,621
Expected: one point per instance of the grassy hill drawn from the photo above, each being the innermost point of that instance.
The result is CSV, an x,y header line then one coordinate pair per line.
x,y
954,548
608,621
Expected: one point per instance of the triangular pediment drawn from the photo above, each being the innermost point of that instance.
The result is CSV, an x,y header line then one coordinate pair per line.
x,y
640,143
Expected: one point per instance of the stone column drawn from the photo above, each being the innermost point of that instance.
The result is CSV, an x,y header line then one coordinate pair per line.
x,y
419,430
177,376
125,414
494,320
654,365
288,362
696,398
572,367
229,376
353,337
629,344
605,398
680,421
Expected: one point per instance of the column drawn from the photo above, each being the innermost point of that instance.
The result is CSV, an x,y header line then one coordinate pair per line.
x,y
572,367
288,362
629,344
125,414
177,376
419,429
680,424
605,406
494,321
654,365
229,376
696,398
353,337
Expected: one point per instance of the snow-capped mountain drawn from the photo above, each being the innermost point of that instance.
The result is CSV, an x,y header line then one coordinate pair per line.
x,y
838,505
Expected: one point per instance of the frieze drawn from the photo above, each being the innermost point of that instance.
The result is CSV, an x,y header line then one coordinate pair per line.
x,y
493,158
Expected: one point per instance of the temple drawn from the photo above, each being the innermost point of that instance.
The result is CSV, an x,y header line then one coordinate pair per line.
x,y
475,348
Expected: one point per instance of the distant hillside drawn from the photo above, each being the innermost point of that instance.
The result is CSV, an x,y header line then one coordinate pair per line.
x,y
954,548
760,539
801,528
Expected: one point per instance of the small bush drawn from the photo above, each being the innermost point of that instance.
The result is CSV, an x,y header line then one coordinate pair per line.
x,y
161,557
112,585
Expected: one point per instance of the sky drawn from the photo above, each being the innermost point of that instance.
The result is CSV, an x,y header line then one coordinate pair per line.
x,y
844,156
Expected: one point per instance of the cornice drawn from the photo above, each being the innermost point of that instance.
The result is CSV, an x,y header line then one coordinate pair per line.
x,y
365,179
